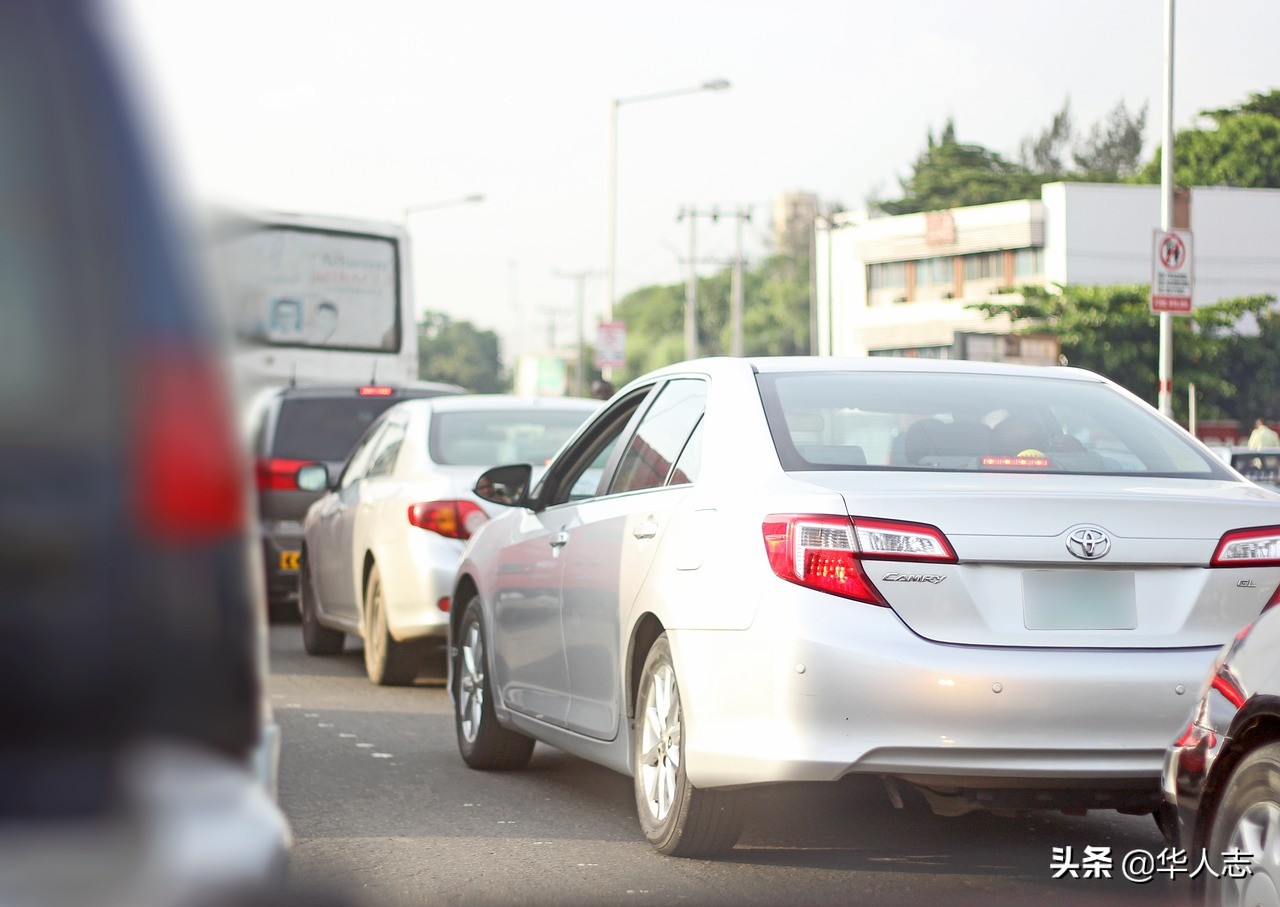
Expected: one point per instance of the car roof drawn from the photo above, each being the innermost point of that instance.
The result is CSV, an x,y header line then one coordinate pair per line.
x,y
350,390
713,366
473,402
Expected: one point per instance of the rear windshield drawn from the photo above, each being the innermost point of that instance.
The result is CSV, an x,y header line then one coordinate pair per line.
x,y
324,428
493,437
966,422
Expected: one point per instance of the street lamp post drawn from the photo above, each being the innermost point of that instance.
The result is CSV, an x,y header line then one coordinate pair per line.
x,y
474,198
612,219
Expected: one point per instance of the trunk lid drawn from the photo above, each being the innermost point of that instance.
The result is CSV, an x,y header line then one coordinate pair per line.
x,y
1017,582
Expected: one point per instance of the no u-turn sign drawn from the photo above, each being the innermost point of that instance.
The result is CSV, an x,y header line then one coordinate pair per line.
x,y
1171,272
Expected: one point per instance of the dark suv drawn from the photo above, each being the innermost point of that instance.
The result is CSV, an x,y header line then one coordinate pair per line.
x,y
293,427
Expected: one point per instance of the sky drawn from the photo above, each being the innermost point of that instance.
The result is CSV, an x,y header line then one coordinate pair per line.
x,y
364,108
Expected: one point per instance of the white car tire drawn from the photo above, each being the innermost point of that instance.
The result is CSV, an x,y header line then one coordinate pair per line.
x,y
677,818
387,662
482,741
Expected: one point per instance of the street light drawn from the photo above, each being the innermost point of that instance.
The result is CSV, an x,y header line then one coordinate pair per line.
x,y
445,203
611,258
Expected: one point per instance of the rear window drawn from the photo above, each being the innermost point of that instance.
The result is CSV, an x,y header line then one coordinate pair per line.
x,y
966,422
492,437
325,428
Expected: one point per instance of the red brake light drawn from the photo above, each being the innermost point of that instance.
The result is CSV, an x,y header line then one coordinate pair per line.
x,y
452,519
189,479
275,474
1016,462
1256,547
371,390
818,552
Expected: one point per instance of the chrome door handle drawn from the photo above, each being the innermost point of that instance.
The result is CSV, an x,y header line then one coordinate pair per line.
x,y
560,539
646,530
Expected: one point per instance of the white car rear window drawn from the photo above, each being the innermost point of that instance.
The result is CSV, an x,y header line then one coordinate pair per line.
x,y
966,422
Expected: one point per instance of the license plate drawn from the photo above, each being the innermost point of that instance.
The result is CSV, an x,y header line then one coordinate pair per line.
x,y
289,560
1079,600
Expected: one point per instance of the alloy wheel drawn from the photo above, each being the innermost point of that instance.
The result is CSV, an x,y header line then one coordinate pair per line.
x,y
1258,833
660,743
471,682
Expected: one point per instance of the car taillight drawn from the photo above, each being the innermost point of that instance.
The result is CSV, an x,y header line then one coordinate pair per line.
x,y
375,390
825,552
275,474
454,519
189,480
1256,547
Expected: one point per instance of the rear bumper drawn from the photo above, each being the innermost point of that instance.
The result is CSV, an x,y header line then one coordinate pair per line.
x,y
282,580
818,688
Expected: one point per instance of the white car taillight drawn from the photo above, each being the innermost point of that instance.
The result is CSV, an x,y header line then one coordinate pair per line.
x,y
825,552
905,541
1257,547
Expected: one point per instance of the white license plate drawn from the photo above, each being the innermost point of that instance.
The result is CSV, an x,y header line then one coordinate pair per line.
x,y
1079,600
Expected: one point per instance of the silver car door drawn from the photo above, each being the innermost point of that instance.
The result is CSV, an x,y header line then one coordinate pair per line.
x,y
331,559
529,663
610,547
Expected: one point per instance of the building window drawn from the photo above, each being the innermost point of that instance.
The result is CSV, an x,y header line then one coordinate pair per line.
x,y
984,266
887,275
933,271
1028,262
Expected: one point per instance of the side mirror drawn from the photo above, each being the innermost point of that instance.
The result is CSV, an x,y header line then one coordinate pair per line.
x,y
505,485
313,477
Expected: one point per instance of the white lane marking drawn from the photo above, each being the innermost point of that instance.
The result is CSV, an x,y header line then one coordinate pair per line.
x,y
381,755
347,736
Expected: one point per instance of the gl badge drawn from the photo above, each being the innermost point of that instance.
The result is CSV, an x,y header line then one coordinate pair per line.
x,y
1088,543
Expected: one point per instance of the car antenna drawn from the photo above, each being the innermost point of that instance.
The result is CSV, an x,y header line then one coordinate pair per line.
x,y
293,375
374,380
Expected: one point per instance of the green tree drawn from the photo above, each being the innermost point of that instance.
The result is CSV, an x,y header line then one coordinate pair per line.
x,y
456,352
1240,147
1111,330
1253,369
1113,148
948,174
1047,152
775,317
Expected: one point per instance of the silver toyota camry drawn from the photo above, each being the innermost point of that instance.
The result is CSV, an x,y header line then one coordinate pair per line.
x,y
998,587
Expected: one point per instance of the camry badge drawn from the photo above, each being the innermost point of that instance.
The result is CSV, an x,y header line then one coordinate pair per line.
x,y
1088,543
931,578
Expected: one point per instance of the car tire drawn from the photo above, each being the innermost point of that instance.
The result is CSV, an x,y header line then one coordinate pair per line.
x,y
316,638
482,741
387,662
678,819
1248,815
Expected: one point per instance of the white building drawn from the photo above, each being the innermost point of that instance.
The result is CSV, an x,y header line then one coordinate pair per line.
x,y
900,285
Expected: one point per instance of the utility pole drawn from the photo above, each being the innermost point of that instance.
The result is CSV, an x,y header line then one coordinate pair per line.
x,y
580,278
691,287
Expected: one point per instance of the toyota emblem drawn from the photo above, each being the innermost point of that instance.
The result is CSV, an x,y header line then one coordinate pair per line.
x,y
1088,543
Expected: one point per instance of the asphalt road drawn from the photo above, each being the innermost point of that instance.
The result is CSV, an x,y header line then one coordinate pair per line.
x,y
385,813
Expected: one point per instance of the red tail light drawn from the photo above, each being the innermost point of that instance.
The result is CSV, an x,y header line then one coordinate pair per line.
x,y
453,519
275,474
372,390
189,480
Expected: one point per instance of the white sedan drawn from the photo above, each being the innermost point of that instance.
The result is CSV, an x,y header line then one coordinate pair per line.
x,y
381,547
995,586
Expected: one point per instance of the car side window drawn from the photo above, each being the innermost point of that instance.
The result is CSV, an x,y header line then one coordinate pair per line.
x,y
690,462
662,435
579,472
359,459
383,457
